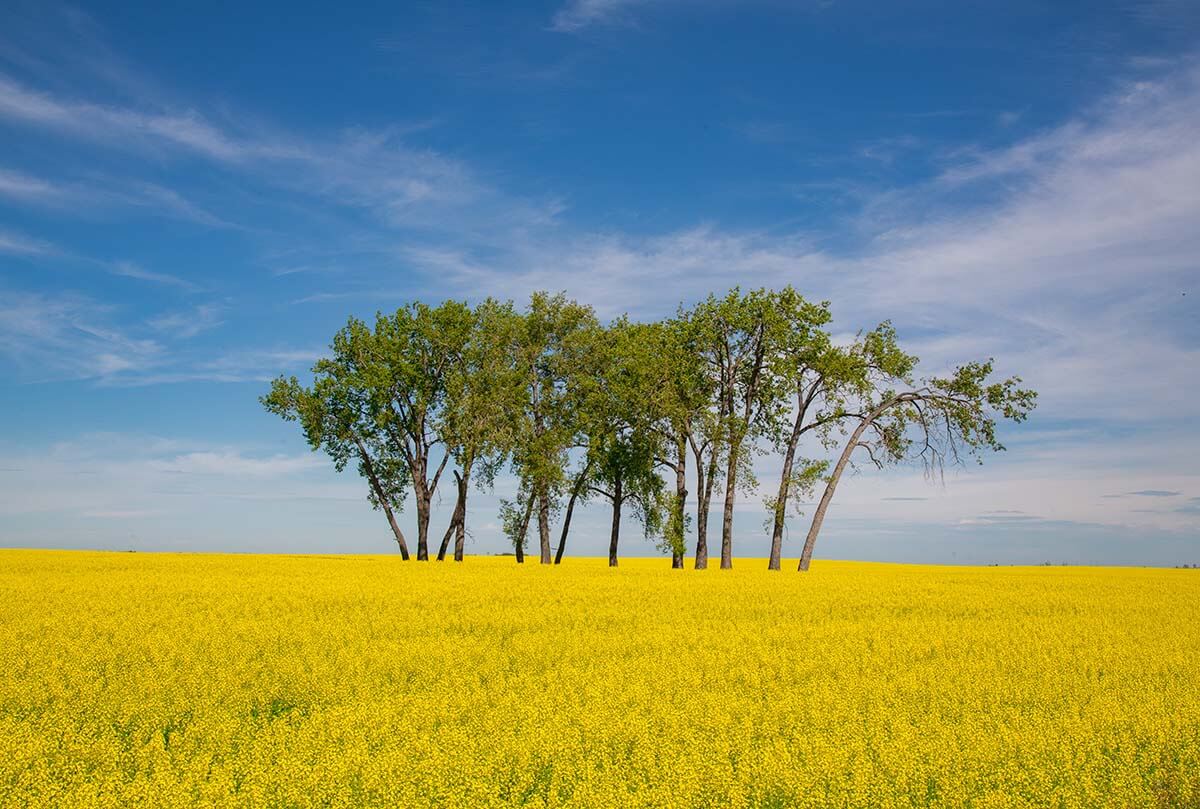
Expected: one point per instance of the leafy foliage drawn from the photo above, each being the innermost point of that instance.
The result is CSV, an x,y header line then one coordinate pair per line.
x,y
578,410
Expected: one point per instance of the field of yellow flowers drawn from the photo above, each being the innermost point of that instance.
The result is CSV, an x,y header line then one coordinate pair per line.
x,y
220,680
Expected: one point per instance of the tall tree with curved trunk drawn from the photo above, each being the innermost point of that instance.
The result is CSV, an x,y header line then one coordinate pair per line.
x,y
825,379
579,490
336,417
385,390
939,420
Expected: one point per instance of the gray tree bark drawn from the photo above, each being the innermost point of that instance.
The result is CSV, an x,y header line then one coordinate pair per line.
x,y
819,516
422,529
396,531
575,492
727,515
680,497
785,481
705,478
615,535
519,545
382,498
457,521
544,527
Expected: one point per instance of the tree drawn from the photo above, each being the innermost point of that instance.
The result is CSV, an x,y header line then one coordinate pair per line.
x,y
678,397
483,400
551,354
514,517
579,490
740,336
385,390
695,417
620,405
406,362
336,416
823,377
949,417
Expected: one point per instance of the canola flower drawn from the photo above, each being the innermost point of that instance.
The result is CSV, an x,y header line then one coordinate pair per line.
x,y
221,680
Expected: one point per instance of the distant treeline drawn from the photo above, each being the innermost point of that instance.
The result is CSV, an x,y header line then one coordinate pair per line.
x,y
629,413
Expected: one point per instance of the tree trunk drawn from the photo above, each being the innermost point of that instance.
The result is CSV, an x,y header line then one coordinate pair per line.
x,y
460,504
519,545
701,521
396,531
704,486
369,468
615,536
727,516
580,482
423,502
785,483
819,515
544,526
445,545
460,532
680,500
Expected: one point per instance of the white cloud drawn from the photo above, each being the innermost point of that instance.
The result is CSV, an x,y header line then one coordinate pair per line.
x,y
87,199
67,336
1072,276
232,463
70,336
185,129
187,324
21,186
127,269
119,477
17,244
369,169
116,514
578,14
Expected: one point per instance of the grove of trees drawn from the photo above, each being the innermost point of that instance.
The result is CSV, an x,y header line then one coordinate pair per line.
x,y
629,414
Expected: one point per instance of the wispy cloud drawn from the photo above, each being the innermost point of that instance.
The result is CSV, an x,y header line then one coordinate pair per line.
x,y
185,130
115,476
18,244
1070,273
232,463
88,198
68,336
117,514
74,337
240,365
127,269
189,323
368,169
20,186
579,14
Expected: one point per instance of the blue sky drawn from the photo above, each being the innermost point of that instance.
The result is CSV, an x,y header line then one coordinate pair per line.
x,y
193,200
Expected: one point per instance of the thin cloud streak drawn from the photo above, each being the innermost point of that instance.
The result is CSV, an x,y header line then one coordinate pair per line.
x,y
127,269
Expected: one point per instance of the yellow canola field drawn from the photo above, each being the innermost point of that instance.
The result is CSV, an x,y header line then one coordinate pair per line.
x,y
222,680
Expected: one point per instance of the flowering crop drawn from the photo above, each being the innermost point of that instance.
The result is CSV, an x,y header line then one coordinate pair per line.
x,y
341,681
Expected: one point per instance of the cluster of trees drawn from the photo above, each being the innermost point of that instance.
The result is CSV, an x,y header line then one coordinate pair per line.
x,y
629,413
